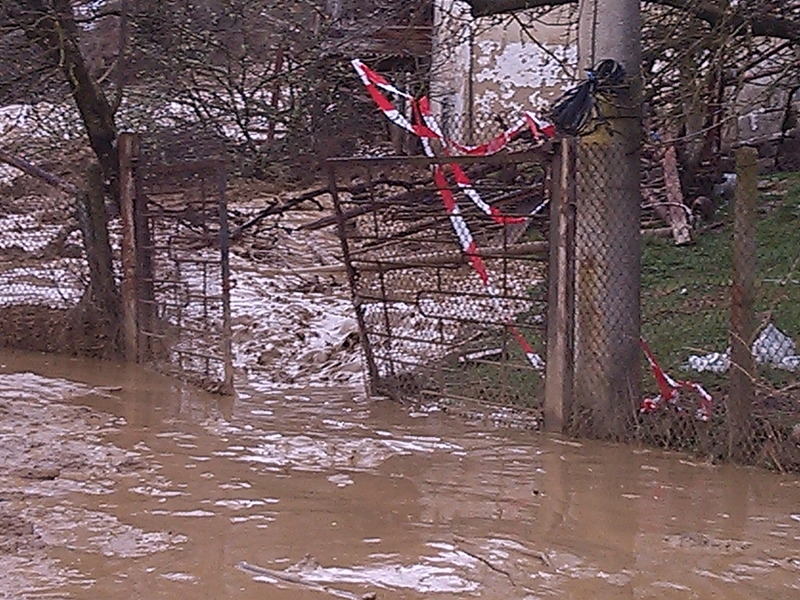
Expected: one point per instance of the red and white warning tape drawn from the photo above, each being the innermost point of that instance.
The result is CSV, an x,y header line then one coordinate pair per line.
x,y
669,389
461,179
374,82
426,128
429,129
465,185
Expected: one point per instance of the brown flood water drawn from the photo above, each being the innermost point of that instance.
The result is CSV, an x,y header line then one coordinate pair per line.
x,y
159,491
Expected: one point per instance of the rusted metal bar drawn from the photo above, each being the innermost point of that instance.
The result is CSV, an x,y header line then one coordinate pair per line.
x,y
352,277
226,342
531,156
145,291
452,257
415,190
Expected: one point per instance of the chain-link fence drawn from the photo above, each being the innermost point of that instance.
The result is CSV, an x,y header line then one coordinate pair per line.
x,y
181,291
44,272
607,248
689,347
725,314
450,295
151,282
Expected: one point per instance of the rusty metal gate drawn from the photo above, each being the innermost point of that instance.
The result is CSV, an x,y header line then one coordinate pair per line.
x,y
457,326
182,270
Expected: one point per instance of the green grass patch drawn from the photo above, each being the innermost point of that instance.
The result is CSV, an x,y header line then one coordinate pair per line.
x,y
686,290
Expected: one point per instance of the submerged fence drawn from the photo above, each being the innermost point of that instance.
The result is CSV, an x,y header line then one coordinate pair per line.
x,y
175,262
726,313
151,282
468,326
57,275
461,327
44,273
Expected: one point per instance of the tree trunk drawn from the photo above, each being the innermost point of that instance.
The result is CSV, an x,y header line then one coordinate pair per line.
x,y
98,248
51,24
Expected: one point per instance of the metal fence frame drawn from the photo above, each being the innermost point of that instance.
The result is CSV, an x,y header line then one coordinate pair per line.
x,y
747,421
175,222
425,225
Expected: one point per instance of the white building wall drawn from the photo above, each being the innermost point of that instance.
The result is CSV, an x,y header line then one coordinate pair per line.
x,y
483,69
491,67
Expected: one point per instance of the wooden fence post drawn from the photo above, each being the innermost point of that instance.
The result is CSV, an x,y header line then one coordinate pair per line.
x,y
742,372
128,155
561,300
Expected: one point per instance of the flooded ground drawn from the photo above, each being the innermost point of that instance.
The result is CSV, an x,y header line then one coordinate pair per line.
x,y
116,483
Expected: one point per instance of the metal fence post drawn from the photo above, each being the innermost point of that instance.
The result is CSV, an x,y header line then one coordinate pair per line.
x,y
145,278
224,241
742,372
561,301
352,277
128,154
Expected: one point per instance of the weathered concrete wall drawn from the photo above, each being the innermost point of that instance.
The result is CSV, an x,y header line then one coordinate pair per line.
x,y
484,69
762,113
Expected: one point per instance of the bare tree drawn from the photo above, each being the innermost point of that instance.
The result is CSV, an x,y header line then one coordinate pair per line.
x,y
51,25
710,69
764,18
272,81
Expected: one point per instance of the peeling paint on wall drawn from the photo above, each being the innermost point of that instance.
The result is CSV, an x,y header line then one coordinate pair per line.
x,y
482,71
519,76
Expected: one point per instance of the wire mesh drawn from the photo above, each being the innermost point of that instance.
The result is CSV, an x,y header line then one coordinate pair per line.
x,y
183,295
724,314
435,331
44,272
607,284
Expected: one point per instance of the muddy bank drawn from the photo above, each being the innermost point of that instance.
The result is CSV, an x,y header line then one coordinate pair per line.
x,y
50,453
116,483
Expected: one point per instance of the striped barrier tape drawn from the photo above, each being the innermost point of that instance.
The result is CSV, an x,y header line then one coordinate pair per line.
x,y
426,128
374,82
669,389
462,181
429,129
467,240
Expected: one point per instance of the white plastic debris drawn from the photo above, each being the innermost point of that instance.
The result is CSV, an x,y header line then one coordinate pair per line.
x,y
536,361
725,189
716,362
772,347
790,363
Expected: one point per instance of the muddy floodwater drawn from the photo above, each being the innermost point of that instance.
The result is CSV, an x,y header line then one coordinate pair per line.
x,y
117,483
